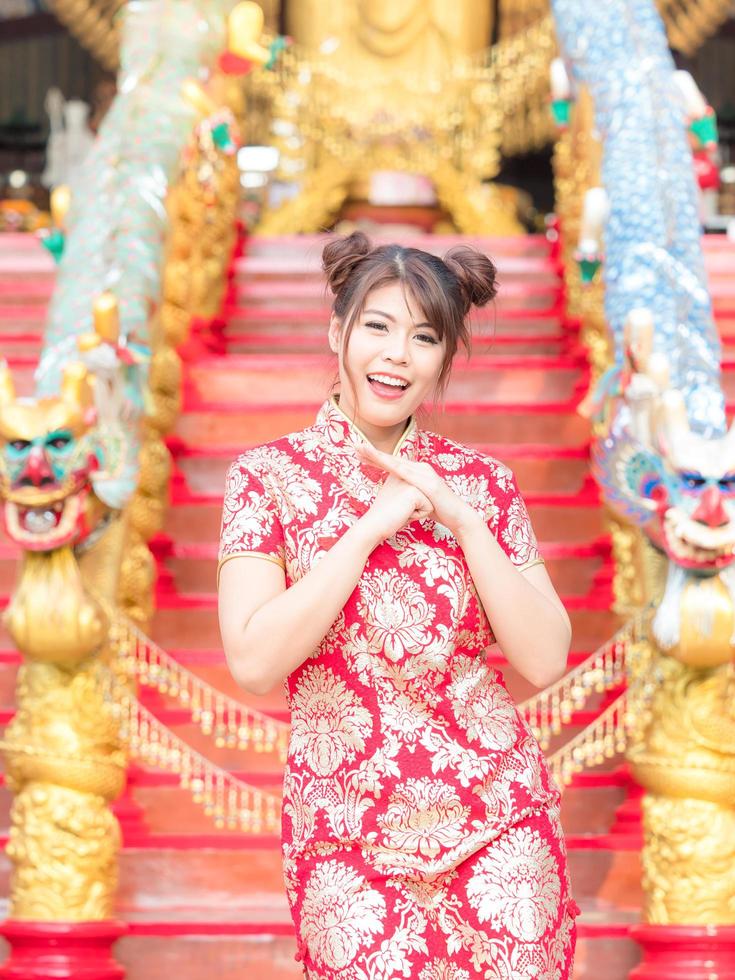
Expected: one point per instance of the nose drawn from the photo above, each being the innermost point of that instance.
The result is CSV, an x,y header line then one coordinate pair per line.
x,y
396,348
38,473
710,510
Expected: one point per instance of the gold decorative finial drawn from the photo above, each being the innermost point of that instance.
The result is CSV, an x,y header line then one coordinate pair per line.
x,y
60,203
107,317
197,97
244,29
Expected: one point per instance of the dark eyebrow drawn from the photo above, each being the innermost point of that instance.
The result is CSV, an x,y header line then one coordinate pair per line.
x,y
393,319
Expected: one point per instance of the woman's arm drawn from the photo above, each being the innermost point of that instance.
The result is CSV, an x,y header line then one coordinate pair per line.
x,y
526,615
268,630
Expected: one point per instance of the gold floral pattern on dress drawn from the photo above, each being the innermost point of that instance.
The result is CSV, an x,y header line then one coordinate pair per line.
x,y
518,536
340,912
474,489
292,485
405,713
516,885
449,461
330,723
482,707
396,613
247,518
421,834
443,970
423,816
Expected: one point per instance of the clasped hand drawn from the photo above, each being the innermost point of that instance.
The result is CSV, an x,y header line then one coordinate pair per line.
x,y
419,489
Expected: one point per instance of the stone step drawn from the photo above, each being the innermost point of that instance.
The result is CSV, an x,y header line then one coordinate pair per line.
x,y
195,571
307,266
239,879
20,350
190,953
198,628
556,425
189,622
286,379
168,809
542,470
312,245
263,768
486,321
199,523
308,294
265,344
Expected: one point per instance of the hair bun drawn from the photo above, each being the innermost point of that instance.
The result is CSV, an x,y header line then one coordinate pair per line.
x,y
475,272
341,256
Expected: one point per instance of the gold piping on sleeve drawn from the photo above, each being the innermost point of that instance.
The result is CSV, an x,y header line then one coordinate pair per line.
x,y
249,554
530,564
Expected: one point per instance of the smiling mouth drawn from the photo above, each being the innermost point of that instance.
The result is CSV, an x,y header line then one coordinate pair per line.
x,y
695,545
32,527
385,385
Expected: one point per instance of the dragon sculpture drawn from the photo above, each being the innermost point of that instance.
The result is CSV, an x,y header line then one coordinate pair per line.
x,y
79,467
666,462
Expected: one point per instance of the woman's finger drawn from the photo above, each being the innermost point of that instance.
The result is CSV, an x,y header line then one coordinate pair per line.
x,y
403,468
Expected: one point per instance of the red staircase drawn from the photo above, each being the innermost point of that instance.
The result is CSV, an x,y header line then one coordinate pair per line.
x,y
200,900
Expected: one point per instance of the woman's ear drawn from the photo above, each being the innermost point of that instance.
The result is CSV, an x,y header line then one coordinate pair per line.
x,y
335,329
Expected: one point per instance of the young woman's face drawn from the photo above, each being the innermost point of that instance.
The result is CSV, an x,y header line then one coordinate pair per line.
x,y
392,340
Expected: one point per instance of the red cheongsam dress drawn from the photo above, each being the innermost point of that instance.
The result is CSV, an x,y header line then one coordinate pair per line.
x,y
421,833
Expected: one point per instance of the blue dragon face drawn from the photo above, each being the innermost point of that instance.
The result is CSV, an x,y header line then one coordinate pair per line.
x,y
688,512
48,455
43,460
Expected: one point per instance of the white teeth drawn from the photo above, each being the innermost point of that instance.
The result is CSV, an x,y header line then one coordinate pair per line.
x,y
386,380
38,521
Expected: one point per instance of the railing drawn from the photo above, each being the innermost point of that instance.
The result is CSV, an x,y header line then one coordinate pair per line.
x,y
233,803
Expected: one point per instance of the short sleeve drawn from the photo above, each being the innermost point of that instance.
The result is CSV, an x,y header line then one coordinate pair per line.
x,y
250,521
509,520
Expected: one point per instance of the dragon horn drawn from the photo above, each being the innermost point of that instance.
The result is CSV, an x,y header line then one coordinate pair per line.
x,y
671,423
76,391
658,370
673,410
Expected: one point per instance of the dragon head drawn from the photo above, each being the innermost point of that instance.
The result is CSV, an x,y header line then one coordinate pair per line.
x,y
677,484
48,455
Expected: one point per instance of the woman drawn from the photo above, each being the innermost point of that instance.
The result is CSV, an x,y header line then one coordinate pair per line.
x,y
421,834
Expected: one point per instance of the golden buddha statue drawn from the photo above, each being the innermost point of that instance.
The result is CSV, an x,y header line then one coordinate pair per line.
x,y
398,37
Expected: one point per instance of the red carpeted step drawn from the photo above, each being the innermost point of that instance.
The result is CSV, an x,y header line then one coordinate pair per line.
x,y
282,379
307,266
591,624
540,469
266,952
222,899
552,423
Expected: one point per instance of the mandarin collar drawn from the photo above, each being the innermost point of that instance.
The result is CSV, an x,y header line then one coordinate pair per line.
x,y
339,429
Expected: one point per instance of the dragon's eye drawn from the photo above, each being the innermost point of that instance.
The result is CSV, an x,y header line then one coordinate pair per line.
x,y
692,481
60,441
649,484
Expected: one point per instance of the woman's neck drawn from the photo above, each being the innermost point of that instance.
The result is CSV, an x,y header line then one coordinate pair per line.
x,y
383,437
